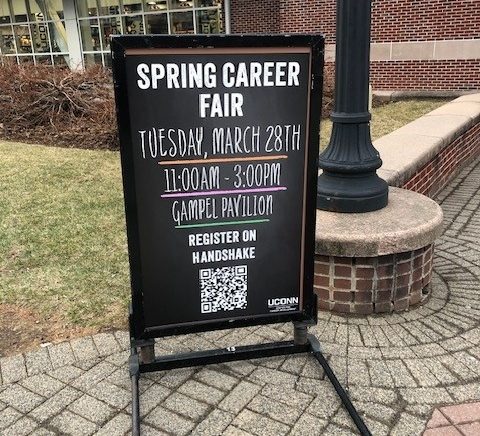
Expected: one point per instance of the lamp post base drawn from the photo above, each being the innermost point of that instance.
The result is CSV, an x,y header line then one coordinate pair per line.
x,y
351,193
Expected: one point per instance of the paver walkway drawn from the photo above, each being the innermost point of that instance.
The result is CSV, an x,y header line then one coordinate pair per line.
x,y
397,368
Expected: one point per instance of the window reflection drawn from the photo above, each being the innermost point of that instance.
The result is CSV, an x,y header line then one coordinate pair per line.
x,y
92,59
182,22
109,7
35,11
181,4
25,59
40,38
207,21
58,36
19,11
4,13
35,29
206,3
153,6
46,10
133,25
132,6
87,8
156,24
54,6
108,60
44,60
7,43
90,33
59,60
22,37
109,26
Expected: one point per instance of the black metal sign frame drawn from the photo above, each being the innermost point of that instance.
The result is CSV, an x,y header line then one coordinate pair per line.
x,y
142,352
121,46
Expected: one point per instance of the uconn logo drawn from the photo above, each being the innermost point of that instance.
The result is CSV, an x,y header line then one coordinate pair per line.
x,y
285,301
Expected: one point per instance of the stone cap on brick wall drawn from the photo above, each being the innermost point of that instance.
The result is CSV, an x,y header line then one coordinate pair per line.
x,y
408,94
409,148
409,222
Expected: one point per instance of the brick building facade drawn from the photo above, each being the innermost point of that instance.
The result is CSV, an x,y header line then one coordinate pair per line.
x,y
416,46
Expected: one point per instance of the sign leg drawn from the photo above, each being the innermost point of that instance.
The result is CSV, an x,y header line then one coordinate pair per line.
x,y
134,376
134,367
362,428
135,406
300,333
147,352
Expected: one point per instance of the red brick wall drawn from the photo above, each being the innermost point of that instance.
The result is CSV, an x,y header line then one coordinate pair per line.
x,y
308,16
421,20
255,16
286,16
392,21
390,283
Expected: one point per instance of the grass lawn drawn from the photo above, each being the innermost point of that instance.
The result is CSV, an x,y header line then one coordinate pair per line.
x,y
63,252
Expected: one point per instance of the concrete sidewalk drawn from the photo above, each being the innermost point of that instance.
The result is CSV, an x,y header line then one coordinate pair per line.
x,y
398,368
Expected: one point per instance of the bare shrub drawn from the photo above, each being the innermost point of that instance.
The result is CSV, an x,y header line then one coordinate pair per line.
x,y
328,89
56,106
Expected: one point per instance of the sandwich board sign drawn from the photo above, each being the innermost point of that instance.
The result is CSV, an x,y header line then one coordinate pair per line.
x,y
219,151
219,145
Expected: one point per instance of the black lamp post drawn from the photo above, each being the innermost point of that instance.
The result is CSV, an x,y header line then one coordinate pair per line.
x,y
349,182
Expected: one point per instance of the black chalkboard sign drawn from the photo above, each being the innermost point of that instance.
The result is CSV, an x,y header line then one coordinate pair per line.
x,y
219,146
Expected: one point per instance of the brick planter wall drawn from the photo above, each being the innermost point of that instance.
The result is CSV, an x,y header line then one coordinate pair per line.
x,y
393,283
433,176
373,284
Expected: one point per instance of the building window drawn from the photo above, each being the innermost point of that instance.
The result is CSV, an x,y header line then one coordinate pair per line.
x,y
98,19
33,31
36,31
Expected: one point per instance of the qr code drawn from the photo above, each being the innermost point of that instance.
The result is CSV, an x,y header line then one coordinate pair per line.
x,y
223,289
